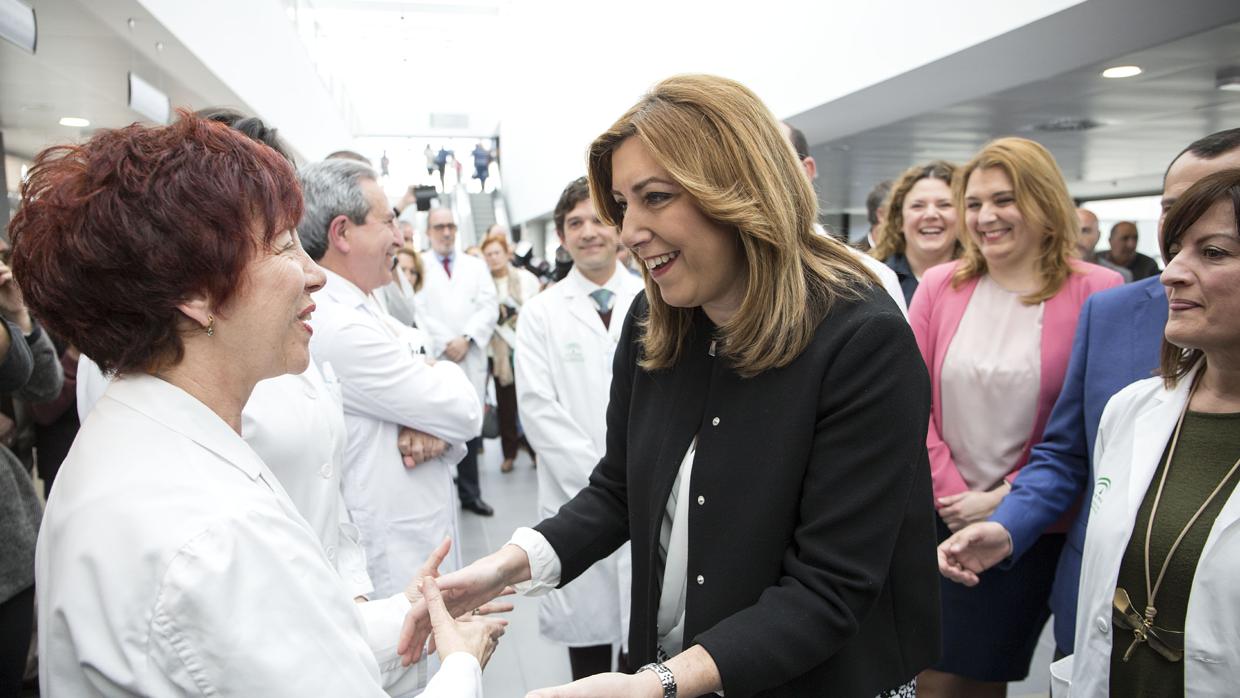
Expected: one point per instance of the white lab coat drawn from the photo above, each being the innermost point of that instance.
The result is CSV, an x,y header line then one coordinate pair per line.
x,y
402,513
171,562
563,376
396,298
464,305
886,277
1132,436
296,425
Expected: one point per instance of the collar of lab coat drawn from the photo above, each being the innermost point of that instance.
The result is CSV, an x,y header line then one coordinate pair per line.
x,y
166,404
1153,430
578,285
340,290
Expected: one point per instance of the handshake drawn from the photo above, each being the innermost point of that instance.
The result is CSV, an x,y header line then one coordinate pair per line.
x,y
441,621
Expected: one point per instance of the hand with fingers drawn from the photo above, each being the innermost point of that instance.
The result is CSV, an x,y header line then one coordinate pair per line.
x,y
469,588
12,305
429,568
418,447
973,550
960,510
477,636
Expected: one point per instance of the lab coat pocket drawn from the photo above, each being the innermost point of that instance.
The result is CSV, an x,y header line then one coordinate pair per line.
x,y
1061,678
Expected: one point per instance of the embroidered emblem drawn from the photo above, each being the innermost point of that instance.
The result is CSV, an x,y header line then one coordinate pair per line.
x,y
1100,488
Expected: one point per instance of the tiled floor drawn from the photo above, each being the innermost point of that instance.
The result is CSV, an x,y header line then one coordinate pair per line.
x,y
525,661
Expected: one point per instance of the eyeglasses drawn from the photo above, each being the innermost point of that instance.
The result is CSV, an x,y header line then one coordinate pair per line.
x,y
444,227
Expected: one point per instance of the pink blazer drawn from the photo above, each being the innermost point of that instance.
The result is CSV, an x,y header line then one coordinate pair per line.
x,y
935,314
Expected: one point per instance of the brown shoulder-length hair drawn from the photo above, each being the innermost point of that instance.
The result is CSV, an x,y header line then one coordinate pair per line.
x,y
719,142
1042,198
1177,361
891,235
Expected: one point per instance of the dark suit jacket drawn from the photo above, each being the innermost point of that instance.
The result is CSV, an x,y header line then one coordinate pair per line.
x,y
1117,342
811,564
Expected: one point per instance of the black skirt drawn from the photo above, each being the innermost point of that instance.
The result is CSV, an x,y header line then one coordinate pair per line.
x,y
990,631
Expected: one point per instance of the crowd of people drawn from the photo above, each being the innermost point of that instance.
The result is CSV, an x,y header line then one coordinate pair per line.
x,y
768,463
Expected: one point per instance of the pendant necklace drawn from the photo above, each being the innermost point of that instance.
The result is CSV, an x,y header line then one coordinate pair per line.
x,y
1168,643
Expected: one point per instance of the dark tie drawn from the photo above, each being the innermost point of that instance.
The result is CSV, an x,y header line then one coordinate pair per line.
x,y
447,266
603,301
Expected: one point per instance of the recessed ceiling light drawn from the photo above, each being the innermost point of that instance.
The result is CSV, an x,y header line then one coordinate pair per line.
x,y
1228,79
74,122
1121,71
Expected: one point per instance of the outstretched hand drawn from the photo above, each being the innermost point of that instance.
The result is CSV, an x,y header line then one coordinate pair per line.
x,y
973,550
429,568
477,636
463,591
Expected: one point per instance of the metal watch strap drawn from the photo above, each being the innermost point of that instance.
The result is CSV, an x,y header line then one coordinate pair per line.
x,y
666,678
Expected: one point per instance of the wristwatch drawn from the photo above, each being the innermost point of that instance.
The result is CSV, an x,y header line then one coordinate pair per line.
x,y
666,678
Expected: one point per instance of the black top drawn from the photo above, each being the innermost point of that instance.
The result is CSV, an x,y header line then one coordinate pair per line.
x,y
1141,266
904,272
811,565
1209,445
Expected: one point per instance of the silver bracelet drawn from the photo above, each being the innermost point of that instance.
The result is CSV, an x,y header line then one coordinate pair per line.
x,y
666,678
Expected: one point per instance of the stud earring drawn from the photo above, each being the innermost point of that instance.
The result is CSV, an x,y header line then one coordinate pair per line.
x,y
210,325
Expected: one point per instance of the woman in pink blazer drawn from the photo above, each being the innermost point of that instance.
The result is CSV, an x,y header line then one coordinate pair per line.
x,y
995,328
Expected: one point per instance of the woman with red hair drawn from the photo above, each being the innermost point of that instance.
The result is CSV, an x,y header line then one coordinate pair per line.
x,y
171,561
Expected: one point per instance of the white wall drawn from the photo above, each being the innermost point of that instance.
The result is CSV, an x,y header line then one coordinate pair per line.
x,y
253,48
593,60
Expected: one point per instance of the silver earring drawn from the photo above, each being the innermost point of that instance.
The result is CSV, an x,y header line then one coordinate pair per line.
x,y
210,325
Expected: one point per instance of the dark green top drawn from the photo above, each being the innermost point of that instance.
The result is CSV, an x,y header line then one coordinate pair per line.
x,y
1209,446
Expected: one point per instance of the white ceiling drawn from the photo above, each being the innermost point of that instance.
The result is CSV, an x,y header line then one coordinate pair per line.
x,y
428,68
85,51
1146,121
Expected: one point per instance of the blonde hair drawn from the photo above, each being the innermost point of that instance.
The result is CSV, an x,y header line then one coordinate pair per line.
x,y
747,179
1042,198
890,239
495,239
411,253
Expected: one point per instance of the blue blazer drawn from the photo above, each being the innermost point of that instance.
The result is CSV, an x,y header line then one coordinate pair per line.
x,y
1117,343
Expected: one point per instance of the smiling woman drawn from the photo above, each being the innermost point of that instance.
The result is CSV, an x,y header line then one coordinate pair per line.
x,y
782,535
919,230
995,329
169,256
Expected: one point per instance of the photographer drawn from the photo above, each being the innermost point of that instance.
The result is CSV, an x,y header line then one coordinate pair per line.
x,y
513,287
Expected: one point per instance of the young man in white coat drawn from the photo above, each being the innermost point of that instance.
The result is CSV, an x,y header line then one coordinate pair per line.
x,y
565,342
458,308
402,512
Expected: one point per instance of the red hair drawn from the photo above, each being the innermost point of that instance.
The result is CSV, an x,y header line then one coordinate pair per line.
x,y
114,233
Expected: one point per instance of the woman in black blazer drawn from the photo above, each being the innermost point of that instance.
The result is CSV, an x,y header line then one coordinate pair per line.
x,y
765,434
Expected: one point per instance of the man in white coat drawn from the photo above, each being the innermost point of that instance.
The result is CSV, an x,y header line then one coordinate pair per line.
x,y
402,512
565,342
458,308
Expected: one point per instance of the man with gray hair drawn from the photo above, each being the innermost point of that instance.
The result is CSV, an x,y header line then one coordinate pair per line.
x,y
403,511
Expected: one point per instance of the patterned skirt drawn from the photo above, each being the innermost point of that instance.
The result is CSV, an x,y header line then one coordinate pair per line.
x,y
908,690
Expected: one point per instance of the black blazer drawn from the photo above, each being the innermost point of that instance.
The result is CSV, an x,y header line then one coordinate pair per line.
x,y
812,566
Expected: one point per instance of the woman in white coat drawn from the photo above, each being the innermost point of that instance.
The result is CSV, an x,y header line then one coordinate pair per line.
x,y
1158,606
172,561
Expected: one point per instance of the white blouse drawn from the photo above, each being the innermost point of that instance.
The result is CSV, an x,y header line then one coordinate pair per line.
x,y
991,377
